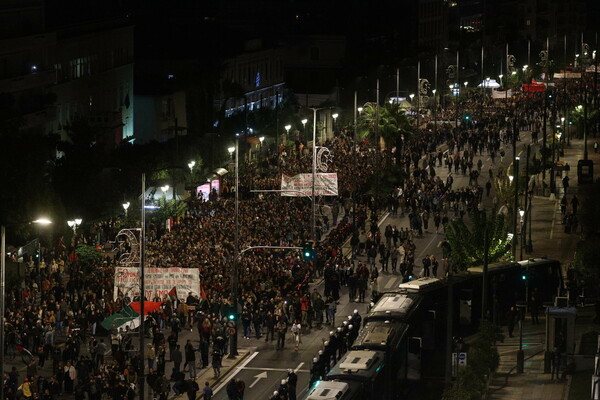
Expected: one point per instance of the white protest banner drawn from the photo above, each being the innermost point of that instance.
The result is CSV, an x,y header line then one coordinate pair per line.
x,y
326,184
157,282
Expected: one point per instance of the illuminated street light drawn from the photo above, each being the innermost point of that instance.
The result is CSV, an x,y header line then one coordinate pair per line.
x,y
231,150
359,109
287,129
510,178
74,224
466,83
125,207
191,165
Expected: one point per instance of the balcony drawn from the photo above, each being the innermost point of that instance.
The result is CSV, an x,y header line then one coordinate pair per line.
x,y
39,79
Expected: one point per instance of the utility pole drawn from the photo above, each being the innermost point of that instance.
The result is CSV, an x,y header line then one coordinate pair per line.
x,y
236,247
418,91
528,203
449,326
142,381
516,207
485,283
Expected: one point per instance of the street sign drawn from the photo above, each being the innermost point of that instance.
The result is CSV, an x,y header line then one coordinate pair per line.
x,y
462,359
231,331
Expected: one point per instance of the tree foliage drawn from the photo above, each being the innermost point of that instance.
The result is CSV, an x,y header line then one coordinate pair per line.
x,y
393,124
468,243
168,209
483,359
88,256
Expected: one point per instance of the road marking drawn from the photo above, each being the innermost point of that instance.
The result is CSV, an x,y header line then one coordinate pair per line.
x,y
435,237
298,367
274,369
262,375
390,283
553,219
236,370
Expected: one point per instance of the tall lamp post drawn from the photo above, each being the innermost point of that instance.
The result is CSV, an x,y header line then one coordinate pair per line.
x,y
73,224
304,121
334,116
234,279
165,189
287,132
516,207
434,91
522,214
40,221
125,207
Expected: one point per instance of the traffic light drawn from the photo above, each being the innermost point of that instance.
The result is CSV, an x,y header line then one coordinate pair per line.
x,y
467,117
308,252
231,317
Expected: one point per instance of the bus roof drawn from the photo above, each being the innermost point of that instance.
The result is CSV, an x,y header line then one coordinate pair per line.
x,y
394,306
360,365
380,335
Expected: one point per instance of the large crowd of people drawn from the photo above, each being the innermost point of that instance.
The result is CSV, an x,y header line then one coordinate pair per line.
x,y
54,316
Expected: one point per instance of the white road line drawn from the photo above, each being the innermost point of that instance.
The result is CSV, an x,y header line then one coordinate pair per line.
x,y
390,283
423,252
236,370
274,369
298,367
553,219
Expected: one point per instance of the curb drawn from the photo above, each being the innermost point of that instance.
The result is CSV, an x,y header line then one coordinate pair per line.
x,y
217,381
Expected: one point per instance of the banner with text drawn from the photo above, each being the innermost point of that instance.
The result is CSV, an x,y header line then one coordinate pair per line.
x,y
158,282
326,184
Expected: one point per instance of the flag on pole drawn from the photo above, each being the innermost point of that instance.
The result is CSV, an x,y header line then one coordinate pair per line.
x,y
173,294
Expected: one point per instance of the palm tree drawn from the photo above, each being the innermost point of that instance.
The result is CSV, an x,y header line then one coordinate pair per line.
x,y
393,124
468,243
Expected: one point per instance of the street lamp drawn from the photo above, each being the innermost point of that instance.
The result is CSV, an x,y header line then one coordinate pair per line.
x,y
466,84
165,189
359,109
261,139
334,116
234,281
522,213
39,221
125,207
74,224
191,165
304,121
287,131
516,206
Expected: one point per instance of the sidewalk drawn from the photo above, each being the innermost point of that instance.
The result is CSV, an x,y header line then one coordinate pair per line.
x,y
549,239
